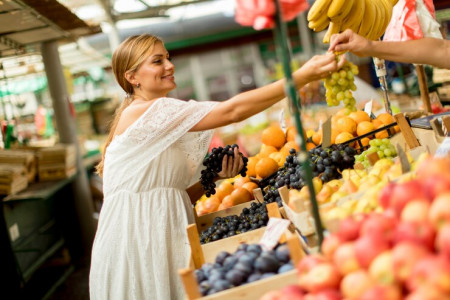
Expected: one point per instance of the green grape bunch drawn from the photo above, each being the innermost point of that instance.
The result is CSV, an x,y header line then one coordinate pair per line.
x,y
382,147
339,86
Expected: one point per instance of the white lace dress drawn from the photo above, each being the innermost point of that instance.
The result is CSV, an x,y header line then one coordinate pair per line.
x,y
141,238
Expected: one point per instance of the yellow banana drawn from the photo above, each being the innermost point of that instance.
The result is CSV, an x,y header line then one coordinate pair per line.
x,y
394,2
319,24
383,15
332,29
319,8
378,21
388,15
368,20
339,10
355,16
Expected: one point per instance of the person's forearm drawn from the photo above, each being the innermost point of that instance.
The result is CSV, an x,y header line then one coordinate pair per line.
x,y
428,51
196,190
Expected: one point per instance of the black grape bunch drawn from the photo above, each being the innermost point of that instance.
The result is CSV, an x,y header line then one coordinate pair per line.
x,y
213,164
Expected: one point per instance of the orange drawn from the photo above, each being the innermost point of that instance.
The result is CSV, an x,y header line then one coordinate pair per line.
x,y
266,150
279,157
382,134
343,137
364,127
291,133
211,204
224,189
239,182
317,137
396,128
310,146
240,195
199,209
265,167
364,141
359,116
334,134
386,118
376,123
251,166
346,124
342,113
250,186
289,145
226,202
273,136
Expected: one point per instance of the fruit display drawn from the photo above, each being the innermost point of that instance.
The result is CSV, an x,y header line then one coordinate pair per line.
x,y
250,219
368,18
382,147
249,263
213,164
339,86
402,252
228,193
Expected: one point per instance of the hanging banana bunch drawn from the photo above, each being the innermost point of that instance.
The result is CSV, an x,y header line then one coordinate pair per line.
x,y
368,18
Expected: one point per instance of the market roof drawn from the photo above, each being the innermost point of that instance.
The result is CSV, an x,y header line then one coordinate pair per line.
x,y
24,24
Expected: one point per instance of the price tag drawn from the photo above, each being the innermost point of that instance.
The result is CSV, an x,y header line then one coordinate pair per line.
x,y
282,121
275,229
380,67
326,134
444,148
406,167
368,107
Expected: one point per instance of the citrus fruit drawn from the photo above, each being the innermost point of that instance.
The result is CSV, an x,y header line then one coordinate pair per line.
x,y
240,195
273,136
317,137
224,189
250,186
266,150
265,167
386,118
279,157
239,182
310,146
364,127
251,166
343,137
346,124
359,116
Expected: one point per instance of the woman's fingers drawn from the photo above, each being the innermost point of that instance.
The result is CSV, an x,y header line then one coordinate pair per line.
x,y
237,158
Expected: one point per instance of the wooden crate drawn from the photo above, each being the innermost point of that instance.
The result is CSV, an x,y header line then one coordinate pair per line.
x,y
252,290
25,158
13,179
57,162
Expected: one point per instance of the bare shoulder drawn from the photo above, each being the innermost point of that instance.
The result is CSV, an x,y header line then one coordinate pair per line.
x,y
131,114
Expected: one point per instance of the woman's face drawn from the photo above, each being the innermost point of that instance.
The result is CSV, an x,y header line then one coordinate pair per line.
x,y
155,75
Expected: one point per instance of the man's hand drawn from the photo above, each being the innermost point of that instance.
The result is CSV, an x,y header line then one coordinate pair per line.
x,y
350,41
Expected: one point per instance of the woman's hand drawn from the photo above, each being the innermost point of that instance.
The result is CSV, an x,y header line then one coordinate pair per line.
x,y
350,41
231,166
318,67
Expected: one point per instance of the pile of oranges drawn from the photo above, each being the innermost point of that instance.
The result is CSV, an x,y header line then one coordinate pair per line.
x,y
230,192
346,127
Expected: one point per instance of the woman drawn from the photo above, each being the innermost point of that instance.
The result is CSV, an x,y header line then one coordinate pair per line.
x,y
153,150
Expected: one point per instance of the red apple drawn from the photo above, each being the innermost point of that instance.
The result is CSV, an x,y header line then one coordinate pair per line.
x,y
432,270
384,198
416,211
308,262
324,295
348,229
381,269
383,292
272,295
404,193
344,258
355,284
329,246
427,293
379,224
368,247
443,241
291,292
439,210
433,186
321,277
433,166
419,233
404,256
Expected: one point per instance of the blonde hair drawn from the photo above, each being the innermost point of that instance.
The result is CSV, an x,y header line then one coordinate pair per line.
x,y
128,57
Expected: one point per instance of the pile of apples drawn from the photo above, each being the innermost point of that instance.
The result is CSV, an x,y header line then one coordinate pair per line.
x,y
401,253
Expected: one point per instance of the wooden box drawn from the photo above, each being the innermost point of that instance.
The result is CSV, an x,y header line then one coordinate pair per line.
x,y
25,158
13,178
57,162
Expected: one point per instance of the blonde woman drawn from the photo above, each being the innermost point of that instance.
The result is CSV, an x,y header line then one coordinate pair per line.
x,y
154,147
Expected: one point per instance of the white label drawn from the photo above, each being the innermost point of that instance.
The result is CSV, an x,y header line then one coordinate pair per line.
x,y
380,67
282,121
275,228
444,148
368,107
14,232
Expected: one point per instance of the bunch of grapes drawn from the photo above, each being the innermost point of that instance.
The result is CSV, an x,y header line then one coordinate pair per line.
x,y
213,164
339,86
250,218
382,147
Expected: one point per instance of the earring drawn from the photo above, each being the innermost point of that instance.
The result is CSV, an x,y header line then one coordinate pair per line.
x,y
138,85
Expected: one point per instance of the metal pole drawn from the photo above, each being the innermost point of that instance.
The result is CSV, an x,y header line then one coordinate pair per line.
x,y
67,134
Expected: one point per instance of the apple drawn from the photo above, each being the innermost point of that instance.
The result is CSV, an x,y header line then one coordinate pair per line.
x,y
443,241
382,269
433,166
368,247
344,258
379,224
324,295
415,211
384,198
419,233
272,295
329,246
428,293
383,292
439,210
348,229
433,186
432,270
320,277
404,256
291,292
355,284
404,193
308,262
